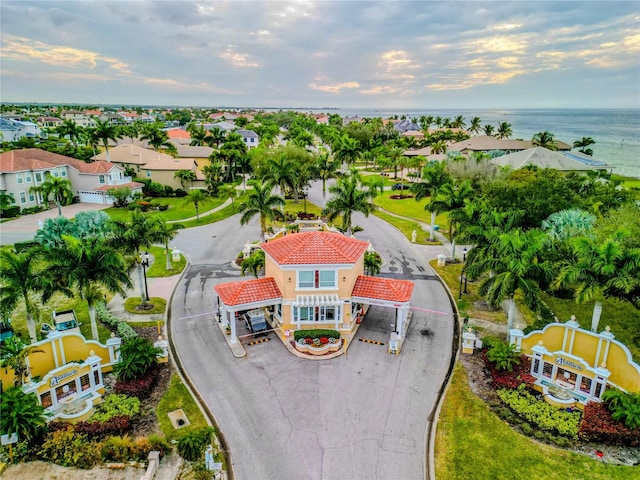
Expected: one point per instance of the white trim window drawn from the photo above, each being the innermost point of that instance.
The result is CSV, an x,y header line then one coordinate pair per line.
x,y
315,314
28,177
63,172
101,178
317,279
19,178
23,198
38,177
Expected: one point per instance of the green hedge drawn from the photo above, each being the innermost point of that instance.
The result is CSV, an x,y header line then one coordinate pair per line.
x,y
316,333
540,413
122,329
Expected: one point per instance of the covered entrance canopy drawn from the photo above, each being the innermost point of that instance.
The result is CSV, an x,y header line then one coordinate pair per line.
x,y
385,292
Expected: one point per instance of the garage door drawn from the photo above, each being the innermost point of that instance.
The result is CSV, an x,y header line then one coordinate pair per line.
x,y
91,197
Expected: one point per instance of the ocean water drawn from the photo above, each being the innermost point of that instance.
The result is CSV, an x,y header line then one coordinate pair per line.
x,y
616,131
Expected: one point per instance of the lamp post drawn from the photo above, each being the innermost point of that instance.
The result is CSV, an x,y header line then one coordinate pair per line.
x,y
306,191
145,263
463,274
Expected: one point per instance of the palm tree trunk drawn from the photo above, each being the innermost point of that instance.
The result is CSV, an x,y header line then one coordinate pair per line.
x,y
453,249
31,326
510,315
59,208
94,323
168,256
143,295
432,236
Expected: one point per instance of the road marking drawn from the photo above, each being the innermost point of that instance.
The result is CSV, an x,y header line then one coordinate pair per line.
x,y
375,342
430,311
198,315
259,341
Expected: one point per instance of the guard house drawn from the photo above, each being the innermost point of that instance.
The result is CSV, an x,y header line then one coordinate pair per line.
x,y
314,280
574,366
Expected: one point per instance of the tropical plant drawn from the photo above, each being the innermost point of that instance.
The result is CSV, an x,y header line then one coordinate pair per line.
x,y
475,125
434,177
213,174
196,197
624,407
21,414
545,140
326,167
14,354
504,356
157,138
347,150
583,145
504,130
186,178
120,195
59,189
349,196
263,203
566,224
488,129
254,263
192,444
88,266
53,229
283,172
105,131
372,263
6,199
137,355
216,137
452,198
71,129
164,233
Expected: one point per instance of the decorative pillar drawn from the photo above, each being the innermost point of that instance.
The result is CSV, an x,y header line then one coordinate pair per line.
x,y
515,337
113,344
468,341
599,384
234,337
606,336
537,362
95,377
164,346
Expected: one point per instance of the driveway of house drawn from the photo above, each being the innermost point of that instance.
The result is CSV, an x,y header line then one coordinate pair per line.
x,y
359,416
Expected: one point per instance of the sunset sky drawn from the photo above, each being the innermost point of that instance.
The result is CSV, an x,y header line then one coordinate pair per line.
x,y
348,54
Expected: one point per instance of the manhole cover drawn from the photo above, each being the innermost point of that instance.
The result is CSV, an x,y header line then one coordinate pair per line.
x,y
178,418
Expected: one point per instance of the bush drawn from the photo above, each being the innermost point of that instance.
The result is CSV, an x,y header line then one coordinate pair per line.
x,y
598,426
24,246
31,210
117,425
139,387
160,444
118,449
70,449
544,416
168,191
137,355
192,444
122,329
178,192
116,405
10,212
316,333
510,380
526,429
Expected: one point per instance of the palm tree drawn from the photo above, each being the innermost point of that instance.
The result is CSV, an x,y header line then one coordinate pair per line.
x,y
475,125
458,122
452,199
283,172
59,189
129,236
350,196
71,129
14,356
88,266
434,177
504,356
165,232
197,197
21,276
398,160
545,140
186,177
519,267
488,130
326,168
504,130
347,151
198,135
261,202
254,263
372,263
439,146
566,224
21,414
583,144
157,138
215,138
213,176
105,131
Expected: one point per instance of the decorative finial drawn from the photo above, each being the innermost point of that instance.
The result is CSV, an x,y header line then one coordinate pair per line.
x,y
92,352
607,328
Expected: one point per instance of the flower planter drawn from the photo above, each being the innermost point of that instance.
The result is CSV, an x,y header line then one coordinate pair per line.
x,y
318,350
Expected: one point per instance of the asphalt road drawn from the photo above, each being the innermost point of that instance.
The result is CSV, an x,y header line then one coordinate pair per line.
x,y
359,416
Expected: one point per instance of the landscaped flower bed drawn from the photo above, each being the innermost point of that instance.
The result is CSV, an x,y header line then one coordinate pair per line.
x,y
317,342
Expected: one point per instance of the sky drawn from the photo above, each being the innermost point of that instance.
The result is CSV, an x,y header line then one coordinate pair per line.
x,y
322,54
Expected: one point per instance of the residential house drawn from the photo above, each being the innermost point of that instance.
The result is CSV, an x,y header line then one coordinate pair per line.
x,y
49,122
487,143
128,155
249,137
79,118
13,130
90,182
540,157
406,125
199,153
314,280
224,126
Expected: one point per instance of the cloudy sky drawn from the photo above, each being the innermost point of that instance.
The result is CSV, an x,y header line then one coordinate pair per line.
x,y
348,54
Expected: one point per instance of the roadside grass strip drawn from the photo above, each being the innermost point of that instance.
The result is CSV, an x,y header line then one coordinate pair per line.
x,y
262,340
375,342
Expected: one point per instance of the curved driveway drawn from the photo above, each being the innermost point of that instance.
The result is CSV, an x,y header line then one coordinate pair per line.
x,y
359,416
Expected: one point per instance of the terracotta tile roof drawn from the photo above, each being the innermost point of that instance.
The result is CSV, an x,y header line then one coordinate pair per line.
x,y
379,288
131,154
249,291
177,133
37,159
315,248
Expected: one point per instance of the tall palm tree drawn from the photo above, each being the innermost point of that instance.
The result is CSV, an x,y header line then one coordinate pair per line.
x,y
71,129
350,196
583,143
21,414
14,356
105,131
59,189
458,122
197,197
165,232
545,140
130,235
398,160
452,199
434,177
213,176
283,172
215,138
520,267
87,266
347,151
22,275
157,138
186,177
326,167
504,130
475,125
198,135
254,263
261,202
488,130
372,263
439,146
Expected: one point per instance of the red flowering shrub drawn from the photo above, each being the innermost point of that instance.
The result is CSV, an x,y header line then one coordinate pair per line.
x,y
598,426
308,341
324,340
139,387
510,380
117,425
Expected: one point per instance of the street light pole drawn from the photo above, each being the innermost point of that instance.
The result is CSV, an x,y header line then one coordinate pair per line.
x,y
463,274
145,264
306,191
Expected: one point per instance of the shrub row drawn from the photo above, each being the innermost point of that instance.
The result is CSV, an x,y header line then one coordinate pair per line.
x,y
122,329
507,414
541,414
139,387
116,425
598,426
316,333
506,379
116,405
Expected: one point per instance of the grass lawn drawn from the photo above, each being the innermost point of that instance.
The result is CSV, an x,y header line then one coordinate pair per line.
x,y
622,317
408,207
158,267
226,212
179,208
159,305
472,442
406,226
177,396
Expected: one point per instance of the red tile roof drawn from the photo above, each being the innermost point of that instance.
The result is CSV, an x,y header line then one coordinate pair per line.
x,y
379,288
249,291
37,159
315,248
178,133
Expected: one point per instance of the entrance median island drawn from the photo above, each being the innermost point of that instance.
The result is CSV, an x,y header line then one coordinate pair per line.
x,y
317,342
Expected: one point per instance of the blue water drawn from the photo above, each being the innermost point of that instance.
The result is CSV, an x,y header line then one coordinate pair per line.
x,y
616,132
